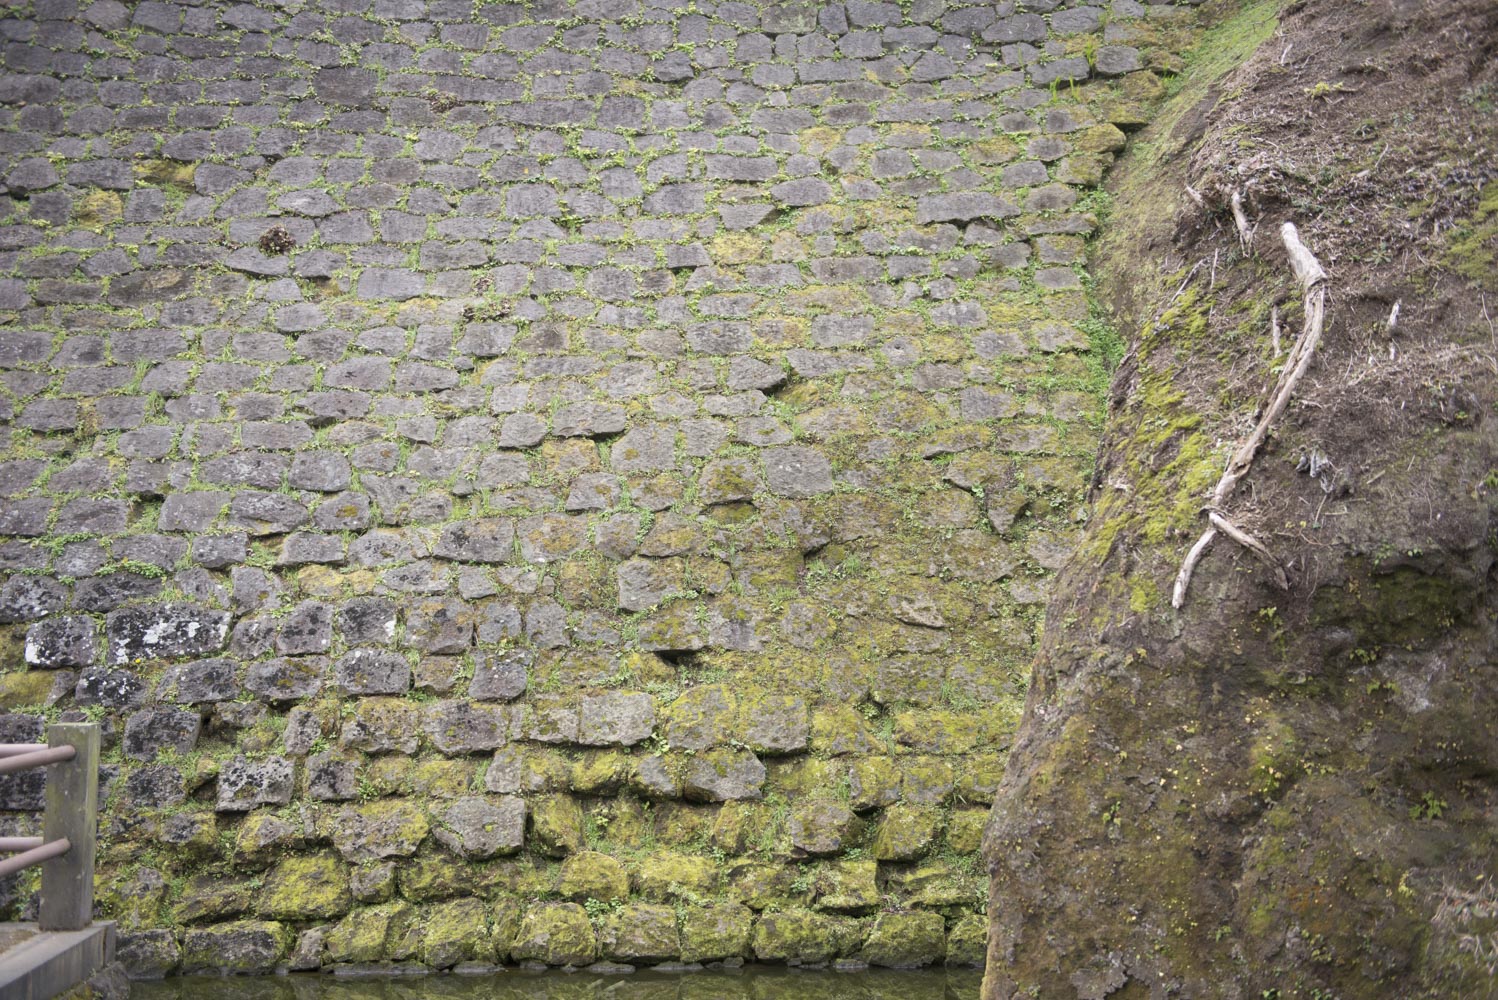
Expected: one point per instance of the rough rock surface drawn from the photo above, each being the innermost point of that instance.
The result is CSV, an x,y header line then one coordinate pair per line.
x,y
1281,792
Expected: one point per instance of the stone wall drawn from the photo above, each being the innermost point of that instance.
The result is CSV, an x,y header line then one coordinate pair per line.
x,y
545,482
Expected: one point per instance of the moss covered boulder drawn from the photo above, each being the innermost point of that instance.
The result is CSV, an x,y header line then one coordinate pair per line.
x,y
242,947
477,827
906,940
591,875
716,933
967,941
453,932
905,833
819,827
383,828
306,887
849,887
800,937
640,932
262,838
148,954
556,934
361,936
668,875
207,898
557,823
504,923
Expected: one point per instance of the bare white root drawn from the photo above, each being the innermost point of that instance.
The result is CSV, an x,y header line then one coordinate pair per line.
x,y
1252,544
1245,232
1188,566
1312,278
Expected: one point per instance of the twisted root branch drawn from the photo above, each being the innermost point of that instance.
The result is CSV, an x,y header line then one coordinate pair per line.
x,y
1312,280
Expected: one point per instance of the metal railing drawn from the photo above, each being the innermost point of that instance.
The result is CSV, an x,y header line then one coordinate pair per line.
x,y
65,850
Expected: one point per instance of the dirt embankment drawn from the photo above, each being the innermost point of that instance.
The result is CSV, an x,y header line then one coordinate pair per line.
x,y
1282,792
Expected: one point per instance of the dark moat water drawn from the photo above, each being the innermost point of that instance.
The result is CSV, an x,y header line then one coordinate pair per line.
x,y
748,983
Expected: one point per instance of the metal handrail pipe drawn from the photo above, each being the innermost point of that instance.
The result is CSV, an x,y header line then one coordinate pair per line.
x,y
11,749
37,758
51,849
9,845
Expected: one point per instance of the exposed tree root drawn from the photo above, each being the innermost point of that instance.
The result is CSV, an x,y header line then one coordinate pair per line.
x,y
1312,279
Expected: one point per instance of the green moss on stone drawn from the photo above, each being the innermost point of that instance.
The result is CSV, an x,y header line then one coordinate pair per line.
x,y
640,932
454,932
361,936
715,933
591,875
670,875
800,937
906,940
905,833
557,822
306,887
556,934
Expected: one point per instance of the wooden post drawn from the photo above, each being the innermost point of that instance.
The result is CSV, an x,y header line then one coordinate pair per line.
x,y
72,812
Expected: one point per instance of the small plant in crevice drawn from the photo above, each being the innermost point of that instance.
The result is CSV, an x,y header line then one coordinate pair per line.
x,y
276,240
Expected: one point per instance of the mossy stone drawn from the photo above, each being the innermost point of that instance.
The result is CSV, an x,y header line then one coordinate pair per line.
x,y
906,940
701,717
873,782
800,937
133,902
382,725
763,885
555,933
306,887
850,887
840,729
818,827
715,933
442,779
383,828
967,941
943,732
373,883
905,833
388,775
965,830
773,723
98,209
739,825
936,884
361,935
978,778
20,689
557,822
453,932
263,837
926,780
640,932
591,875
504,922
677,823
798,777
193,834
437,876
599,773
250,947
669,875
210,897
